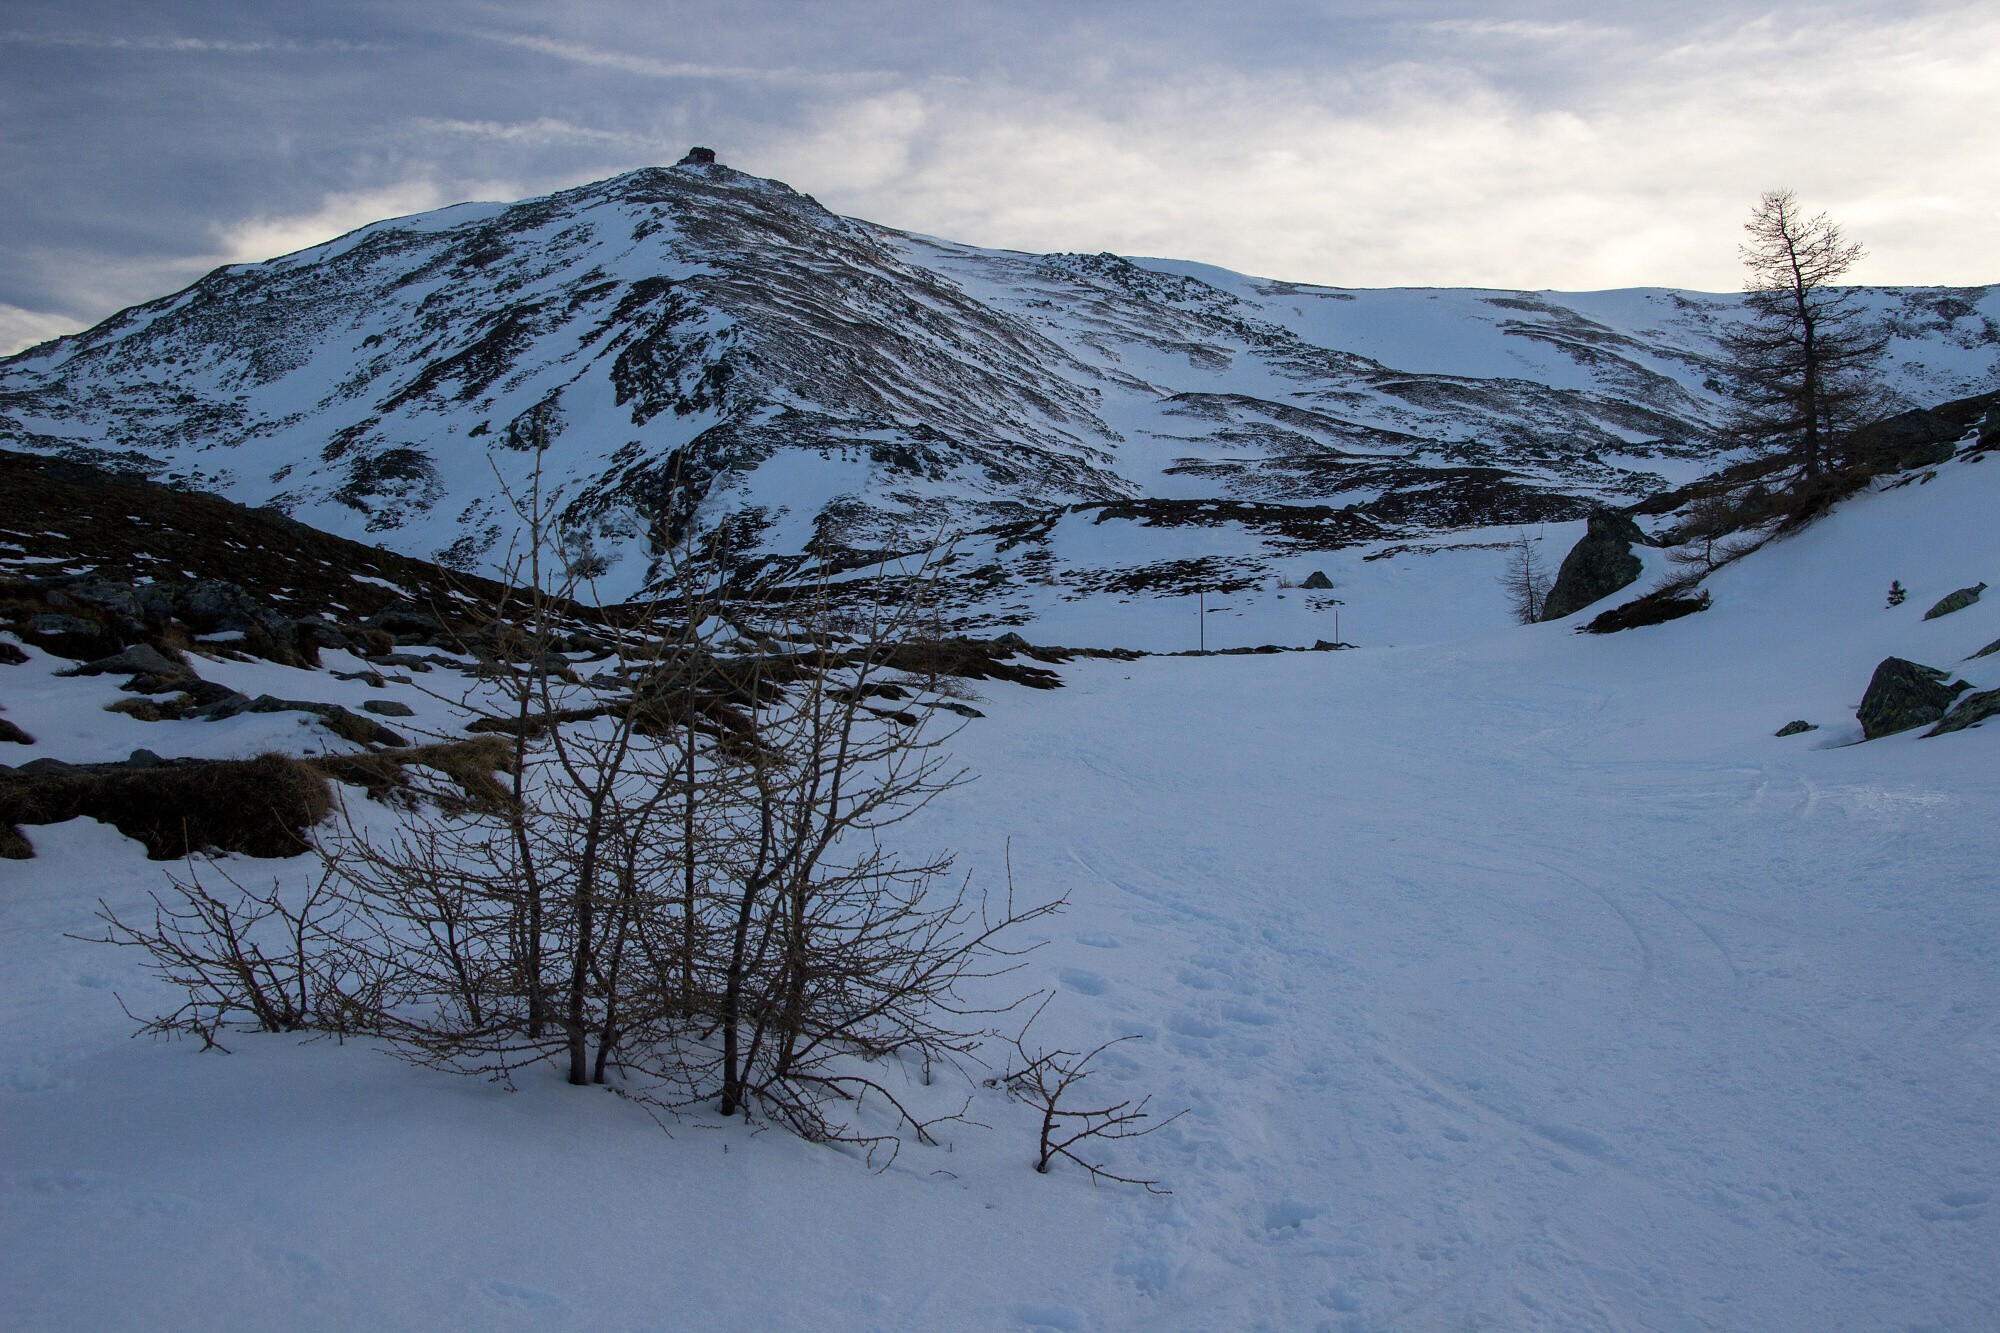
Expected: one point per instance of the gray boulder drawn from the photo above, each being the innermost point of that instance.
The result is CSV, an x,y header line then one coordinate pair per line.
x,y
1599,564
135,607
1917,438
1956,601
1904,694
1318,581
140,659
1975,708
346,725
53,624
552,663
1795,727
202,693
407,623
388,708
217,605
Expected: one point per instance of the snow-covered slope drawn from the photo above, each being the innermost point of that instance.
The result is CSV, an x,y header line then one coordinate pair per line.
x,y
693,347
1511,979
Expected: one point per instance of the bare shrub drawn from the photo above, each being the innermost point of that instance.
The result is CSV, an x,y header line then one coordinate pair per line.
x,y
251,959
1047,1081
676,878
1525,580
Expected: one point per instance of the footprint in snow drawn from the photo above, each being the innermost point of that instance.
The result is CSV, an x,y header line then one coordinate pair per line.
x,y
1082,982
36,1078
1147,1269
526,1298
63,1184
1956,1206
1193,1025
1576,1140
289,1263
162,1207
1289,1215
1338,1297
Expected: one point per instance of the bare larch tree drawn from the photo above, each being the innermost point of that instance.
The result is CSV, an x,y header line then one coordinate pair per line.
x,y
1801,366
1525,580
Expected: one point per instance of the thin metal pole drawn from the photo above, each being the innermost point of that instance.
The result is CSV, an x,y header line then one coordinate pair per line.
x,y
1201,615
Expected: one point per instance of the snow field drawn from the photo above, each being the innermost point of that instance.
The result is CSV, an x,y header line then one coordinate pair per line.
x,y
1513,979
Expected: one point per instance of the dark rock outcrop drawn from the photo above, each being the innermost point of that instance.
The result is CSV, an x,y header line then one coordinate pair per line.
x,y
1795,727
346,725
1975,708
139,659
260,807
1599,564
1904,694
407,623
1318,581
1956,601
1655,608
1917,438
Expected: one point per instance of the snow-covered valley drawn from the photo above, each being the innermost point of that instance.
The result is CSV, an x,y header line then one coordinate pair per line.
x,y
1510,978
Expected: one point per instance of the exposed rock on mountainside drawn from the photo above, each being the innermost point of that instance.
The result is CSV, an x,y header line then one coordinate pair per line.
x,y
1971,711
1955,601
1599,564
124,578
1904,694
1655,608
1917,438
693,349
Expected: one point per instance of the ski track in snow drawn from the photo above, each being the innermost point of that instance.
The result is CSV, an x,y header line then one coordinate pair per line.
x,y
1524,981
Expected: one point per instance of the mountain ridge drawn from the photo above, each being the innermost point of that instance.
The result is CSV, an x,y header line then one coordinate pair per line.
x,y
692,349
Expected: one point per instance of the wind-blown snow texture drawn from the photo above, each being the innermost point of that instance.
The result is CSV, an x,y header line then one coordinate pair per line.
x,y
1513,979
695,347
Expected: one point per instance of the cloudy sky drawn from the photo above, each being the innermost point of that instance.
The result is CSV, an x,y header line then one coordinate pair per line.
x,y
1559,144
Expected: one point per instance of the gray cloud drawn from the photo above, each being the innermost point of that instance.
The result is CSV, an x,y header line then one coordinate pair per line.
x,y
191,45
1557,144
654,68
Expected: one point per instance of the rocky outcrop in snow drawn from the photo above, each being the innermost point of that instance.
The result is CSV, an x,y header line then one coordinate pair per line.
x,y
1601,563
1904,694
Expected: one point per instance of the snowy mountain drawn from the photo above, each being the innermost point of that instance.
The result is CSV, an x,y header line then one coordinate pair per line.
x,y
693,348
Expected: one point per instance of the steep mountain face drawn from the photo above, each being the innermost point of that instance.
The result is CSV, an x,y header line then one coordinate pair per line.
x,y
694,349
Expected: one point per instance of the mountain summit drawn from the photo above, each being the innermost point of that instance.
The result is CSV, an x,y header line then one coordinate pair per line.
x,y
696,349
